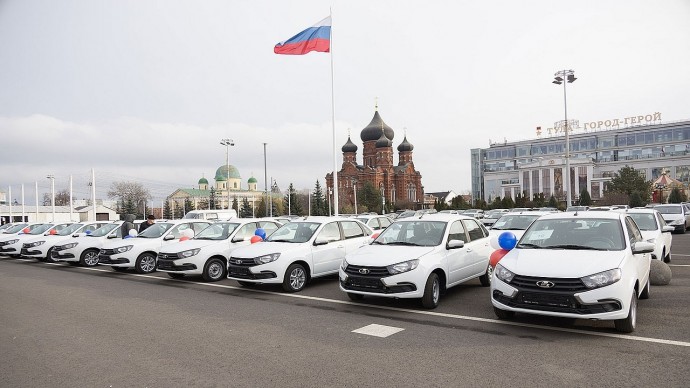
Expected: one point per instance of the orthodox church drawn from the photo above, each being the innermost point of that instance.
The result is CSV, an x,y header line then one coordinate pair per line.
x,y
401,184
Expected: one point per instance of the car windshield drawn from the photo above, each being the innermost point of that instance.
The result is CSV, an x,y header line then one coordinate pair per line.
x,y
15,228
515,222
578,234
70,229
407,214
415,233
576,208
103,230
218,231
644,221
493,214
362,220
294,232
40,229
665,209
156,230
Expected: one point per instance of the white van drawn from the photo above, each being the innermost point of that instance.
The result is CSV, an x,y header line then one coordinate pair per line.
x,y
212,215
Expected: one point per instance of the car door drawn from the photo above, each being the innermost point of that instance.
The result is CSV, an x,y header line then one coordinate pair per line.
x,y
458,259
642,260
353,234
665,237
477,248
326,258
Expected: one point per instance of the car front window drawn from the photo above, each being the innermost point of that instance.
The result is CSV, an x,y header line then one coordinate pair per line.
x,y
414,233
514,222
41,229
595,234
15,228
219,231
294,232
664,209
644,221
103,230
156,230
69,230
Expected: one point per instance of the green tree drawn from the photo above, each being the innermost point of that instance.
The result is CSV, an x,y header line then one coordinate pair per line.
x,y
636,199
508,203
291,202
440,205
539,200
553,202
212,201
188,205
319,207
235,205
677,196
585,199
245,209
167,214
459,203
132,193
369,197
497,203
627,180
260,209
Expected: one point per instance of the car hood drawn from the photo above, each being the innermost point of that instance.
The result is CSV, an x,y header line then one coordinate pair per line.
x,y
267,247
672,217
560,263
498,232
137,242
650,234
382,255
189,244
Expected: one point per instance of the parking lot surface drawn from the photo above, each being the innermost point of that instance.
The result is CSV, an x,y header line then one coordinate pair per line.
x,y
62,325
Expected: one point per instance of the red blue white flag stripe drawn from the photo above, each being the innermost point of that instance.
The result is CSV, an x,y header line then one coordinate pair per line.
x,y
314,38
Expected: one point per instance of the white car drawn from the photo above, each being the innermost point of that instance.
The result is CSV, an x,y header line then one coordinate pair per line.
x,y
41,247
373,221
585,265
298,251
654,230
419,258
492,216
13,245
18,228
83,249
676,215
516,222
140,252
206,254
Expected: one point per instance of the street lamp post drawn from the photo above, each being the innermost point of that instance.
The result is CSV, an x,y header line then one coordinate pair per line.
x,y
329,201
566,77
354,188
52,193
227,143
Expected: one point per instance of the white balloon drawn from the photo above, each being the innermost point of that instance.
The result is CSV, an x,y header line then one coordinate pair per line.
x,y
188,232
493,241
133,233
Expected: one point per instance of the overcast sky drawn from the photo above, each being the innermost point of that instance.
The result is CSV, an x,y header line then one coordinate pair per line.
x,y
144,90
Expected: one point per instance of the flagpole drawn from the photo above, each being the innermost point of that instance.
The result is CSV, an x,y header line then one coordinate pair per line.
x,y
335,172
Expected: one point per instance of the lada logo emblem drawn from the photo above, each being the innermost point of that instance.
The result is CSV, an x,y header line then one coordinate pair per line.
x,y
545,284
363,271
238,261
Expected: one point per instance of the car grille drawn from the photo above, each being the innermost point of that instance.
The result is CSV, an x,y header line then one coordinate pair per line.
x,y
168,256
107,252
562,303
365,271
243,262
559,284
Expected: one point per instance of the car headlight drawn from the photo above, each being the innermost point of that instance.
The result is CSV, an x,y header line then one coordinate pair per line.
x,y
265,259
651,240
602,279
123,249
344,265
34,244
188,253
8,242
677,222
66,246
503,274
403,267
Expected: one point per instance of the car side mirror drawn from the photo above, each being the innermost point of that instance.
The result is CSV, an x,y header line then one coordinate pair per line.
x,y
455,244
642,247
111,236
321,241
238,239
667,229
169,237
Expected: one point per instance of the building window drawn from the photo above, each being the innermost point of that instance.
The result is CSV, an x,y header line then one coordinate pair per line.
x,y
546,182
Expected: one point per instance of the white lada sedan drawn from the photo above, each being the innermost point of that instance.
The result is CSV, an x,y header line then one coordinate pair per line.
x,y
41,247
298,251
419,257
206,254
140,252
83,249
587,265
13,245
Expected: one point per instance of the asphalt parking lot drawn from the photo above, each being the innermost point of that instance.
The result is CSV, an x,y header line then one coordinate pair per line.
x,y
70,326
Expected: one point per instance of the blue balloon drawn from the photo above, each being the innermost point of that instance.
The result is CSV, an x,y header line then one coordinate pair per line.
x,y
87,232
127,236
261,233
507,240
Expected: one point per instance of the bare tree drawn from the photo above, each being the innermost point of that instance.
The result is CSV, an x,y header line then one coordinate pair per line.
x,y
132,192
61,198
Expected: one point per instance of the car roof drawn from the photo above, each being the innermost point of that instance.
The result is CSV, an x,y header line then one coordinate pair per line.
x,y
637,210
445,217
611,215
528,213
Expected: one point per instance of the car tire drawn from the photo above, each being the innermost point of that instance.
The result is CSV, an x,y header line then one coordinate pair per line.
x,y
667,257
503,314
246,284
355,297
646,291
295,278
119,269
176,275
627,325
682,231
432,292
89,258
214,270
146,263
485,279
48,258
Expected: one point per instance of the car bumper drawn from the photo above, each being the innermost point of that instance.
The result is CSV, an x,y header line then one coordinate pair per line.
x,y
9,250
605,303
405,285
62,256
114,261
254,274
179,267
32,252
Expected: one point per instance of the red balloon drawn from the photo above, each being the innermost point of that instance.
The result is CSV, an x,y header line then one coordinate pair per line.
x,y
256,239
496,256
373,236
53,231
26,230
184,238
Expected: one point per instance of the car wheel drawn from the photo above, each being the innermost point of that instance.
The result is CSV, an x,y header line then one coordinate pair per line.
x,y
48,258
485,279
667,256
146,263
682,230
503,314
355,297
432,292
89,258
119,269
214,270
246,284
295,278
646,291
176,275
627,325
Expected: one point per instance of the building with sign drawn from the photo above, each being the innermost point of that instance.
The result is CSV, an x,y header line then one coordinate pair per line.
x,y
537,166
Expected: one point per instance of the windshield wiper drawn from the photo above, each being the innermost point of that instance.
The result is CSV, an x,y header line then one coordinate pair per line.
x,y
280,240
379,243
571,246
530,246
403,243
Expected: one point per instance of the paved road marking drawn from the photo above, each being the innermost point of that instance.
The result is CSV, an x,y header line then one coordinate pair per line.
x,y
378,330
678,254
679,265
404,310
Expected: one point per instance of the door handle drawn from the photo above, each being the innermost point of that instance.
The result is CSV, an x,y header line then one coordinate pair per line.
x,y
469,249
340,246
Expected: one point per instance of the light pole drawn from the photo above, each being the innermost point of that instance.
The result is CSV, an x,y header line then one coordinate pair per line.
x,y
566,77
265,179
354,188
227,143
52,193
329,201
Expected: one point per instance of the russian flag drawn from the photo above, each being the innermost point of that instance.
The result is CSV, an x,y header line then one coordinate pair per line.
x,y
314,38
